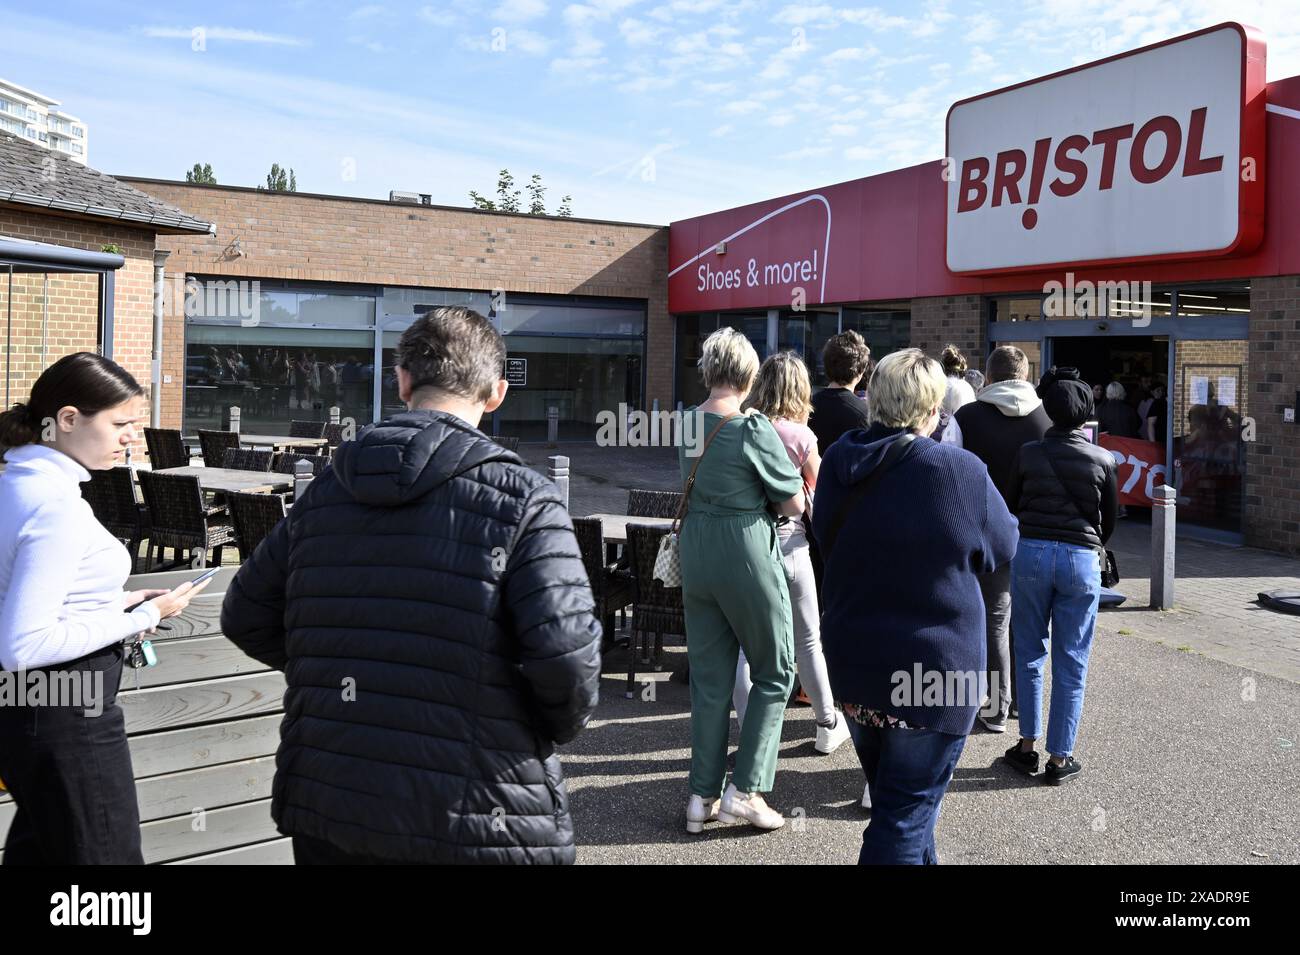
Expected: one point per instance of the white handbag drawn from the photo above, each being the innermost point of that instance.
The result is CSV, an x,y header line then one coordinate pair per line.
x,y
668,562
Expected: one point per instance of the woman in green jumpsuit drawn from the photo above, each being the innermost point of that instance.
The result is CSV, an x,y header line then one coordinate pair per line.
x,y
734,587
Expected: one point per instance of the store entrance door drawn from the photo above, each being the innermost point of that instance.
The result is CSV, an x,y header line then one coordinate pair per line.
x,y
1183,416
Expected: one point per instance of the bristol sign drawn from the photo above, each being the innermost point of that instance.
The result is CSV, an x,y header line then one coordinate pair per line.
x,y
1152,154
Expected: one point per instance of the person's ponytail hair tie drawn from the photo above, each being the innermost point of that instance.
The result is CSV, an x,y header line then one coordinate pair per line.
x,y
16,426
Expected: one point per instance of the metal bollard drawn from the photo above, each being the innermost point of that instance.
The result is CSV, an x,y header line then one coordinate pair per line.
x,y
302,475
552,425
557,469
1163,521
232,420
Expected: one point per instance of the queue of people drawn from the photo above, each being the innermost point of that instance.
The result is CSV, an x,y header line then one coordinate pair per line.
x,y
930,554
439,576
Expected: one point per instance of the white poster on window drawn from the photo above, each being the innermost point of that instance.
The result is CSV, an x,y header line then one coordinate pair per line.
x,y
1199,390
1227,393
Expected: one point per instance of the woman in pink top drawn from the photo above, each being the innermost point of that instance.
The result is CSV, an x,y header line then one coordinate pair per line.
x,y
783,392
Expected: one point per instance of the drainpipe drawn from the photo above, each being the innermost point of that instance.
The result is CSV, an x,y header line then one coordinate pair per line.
x,y
155,372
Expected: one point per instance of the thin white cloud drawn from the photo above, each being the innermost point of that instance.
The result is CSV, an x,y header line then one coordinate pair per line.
x,y
367,12
577,64
859,153
638,32
374,46
223,34
503,40
440,18
808,152
799,14
520,11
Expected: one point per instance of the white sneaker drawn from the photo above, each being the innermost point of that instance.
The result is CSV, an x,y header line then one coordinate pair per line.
x,y
866,796
831,738
698,812
750,808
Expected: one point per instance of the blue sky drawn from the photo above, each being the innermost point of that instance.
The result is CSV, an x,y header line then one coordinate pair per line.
x,y
642,110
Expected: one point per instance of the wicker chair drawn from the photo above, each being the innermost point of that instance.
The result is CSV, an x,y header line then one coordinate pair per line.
x,y
508,441
253,516
611,586
111,495
166,448
285,460
334,435
181,520
658,608
247,459
307,429
214,444
642,503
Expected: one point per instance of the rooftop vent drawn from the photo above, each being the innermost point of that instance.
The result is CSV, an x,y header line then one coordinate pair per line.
x,y
416,198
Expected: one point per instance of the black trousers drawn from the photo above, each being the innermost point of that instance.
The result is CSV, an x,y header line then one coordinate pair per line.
x,y
307,851
70,774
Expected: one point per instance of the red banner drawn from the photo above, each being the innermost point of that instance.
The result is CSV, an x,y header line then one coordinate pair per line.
x,y
1140,466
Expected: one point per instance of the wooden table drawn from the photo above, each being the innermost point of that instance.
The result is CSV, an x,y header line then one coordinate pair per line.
x,y
613,527
280,441
230,479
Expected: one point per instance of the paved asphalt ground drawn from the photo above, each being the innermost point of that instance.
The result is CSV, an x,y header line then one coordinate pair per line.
x,y
1187,758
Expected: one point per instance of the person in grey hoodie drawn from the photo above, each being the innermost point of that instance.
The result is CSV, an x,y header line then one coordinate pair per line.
x,y
1007,414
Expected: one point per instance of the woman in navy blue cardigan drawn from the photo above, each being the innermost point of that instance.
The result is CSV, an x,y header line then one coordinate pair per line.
x,y
903,629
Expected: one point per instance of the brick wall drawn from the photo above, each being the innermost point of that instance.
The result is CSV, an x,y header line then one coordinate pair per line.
x,y
955,319
74,300
1272,506
308,238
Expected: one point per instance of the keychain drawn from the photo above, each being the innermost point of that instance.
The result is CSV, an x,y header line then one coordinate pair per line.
x,y
140,654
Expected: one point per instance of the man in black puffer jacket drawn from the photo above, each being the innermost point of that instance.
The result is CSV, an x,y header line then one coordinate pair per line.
x,y
428,604
1003,417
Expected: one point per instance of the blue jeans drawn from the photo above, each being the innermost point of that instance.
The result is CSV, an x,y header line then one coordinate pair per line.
x,y
1060,583
908,772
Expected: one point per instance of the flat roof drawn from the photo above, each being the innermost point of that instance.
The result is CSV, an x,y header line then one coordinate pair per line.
x,y
383,202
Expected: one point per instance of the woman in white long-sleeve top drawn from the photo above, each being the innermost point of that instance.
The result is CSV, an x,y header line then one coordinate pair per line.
x,y
63,749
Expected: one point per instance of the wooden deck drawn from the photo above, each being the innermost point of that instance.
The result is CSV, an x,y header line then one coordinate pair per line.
x,y
203,727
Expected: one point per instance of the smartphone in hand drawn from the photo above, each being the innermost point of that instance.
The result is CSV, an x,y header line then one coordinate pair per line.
x,y
208,575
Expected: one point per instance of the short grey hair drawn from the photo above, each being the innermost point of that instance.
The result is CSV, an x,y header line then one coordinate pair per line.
x,y
905,388
728,358
1115,391
455,350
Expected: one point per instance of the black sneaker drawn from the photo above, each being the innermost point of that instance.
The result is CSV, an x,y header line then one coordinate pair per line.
x,y
1025,762
1054,775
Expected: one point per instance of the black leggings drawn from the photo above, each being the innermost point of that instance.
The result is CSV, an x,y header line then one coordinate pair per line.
x,y
70,775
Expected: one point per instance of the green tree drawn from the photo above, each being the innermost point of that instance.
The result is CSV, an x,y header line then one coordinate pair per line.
x,y
201,173
537,195
507,199
280,179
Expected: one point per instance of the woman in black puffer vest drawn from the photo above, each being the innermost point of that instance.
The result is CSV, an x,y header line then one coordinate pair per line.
x,y
1063,491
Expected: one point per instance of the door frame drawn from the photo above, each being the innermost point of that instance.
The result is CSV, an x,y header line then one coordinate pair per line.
x,y
1190,328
